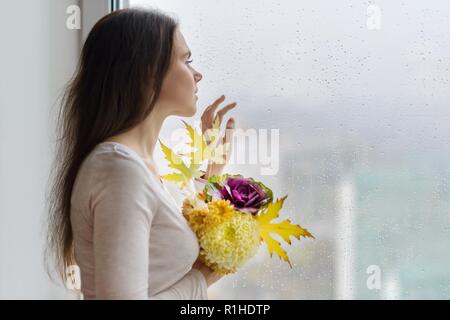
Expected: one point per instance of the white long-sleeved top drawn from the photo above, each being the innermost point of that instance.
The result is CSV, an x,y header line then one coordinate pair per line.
x,y
131,240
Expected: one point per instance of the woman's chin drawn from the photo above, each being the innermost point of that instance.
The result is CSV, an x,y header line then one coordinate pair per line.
x,y
189,111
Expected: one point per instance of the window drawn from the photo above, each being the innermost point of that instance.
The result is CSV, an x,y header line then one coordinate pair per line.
x,y
360,95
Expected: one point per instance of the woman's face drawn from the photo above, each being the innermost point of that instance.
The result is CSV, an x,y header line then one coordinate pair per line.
x,y
179,87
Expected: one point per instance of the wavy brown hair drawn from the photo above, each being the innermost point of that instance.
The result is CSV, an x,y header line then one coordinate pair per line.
x,y
117,82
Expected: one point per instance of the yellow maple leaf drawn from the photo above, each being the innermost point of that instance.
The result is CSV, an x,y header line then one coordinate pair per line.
x,y
176,162
284,229
207,146
202,147
197,144
175,177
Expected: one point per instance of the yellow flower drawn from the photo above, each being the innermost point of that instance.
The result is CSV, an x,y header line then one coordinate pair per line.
x,y
228,245
204,218
227,238
221,209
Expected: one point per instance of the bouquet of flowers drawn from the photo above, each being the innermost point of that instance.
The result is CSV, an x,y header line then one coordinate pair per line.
x,y
232,215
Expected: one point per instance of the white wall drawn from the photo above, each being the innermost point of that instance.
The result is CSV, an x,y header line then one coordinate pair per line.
x,y
38,55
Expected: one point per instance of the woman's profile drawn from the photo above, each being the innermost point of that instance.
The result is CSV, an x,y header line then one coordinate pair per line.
x,y
110,214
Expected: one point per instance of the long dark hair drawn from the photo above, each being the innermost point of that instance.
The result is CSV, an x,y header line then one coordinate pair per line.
x,y
117,82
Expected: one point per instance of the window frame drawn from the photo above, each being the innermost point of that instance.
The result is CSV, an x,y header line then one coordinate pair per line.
x,y
92,11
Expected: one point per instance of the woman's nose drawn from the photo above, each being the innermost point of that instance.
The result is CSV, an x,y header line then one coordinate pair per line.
x,y
198,76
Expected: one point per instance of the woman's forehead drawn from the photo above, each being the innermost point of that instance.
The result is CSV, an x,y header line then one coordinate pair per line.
x,y
180,43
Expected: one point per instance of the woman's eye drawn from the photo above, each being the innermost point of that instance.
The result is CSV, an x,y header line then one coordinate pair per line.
x,y
190,61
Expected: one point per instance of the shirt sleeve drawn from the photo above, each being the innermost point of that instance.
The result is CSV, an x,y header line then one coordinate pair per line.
x,y
124,209
192,286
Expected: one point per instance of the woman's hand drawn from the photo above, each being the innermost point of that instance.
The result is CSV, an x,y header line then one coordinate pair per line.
x,y
207,120
210,275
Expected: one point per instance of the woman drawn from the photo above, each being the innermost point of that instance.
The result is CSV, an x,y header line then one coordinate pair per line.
x,y
110,213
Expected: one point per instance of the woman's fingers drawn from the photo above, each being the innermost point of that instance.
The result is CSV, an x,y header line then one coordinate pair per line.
x,y
229,130
224,110
216,103
228,137
208,117
209,111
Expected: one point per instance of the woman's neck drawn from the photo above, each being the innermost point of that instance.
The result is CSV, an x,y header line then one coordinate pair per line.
x,y
143,137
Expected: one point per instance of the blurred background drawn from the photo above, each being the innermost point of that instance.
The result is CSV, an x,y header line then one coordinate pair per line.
x,y
359,91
